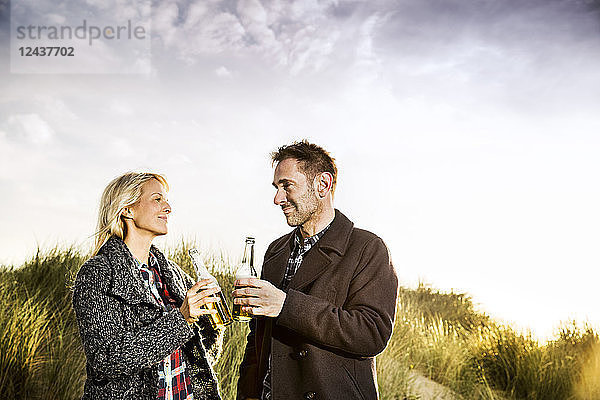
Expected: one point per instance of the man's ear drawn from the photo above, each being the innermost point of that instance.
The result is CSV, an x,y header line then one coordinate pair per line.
x,y
324,184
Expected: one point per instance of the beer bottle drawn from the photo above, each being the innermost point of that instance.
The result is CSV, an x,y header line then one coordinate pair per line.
x,y
222,317
245,271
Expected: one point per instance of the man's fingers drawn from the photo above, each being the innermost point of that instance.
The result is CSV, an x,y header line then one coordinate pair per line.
x,y
253,282
258,297
253,310
246,292
244,301
251,302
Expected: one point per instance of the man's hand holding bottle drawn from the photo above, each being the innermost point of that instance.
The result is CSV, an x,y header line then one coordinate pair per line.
x,y
258,297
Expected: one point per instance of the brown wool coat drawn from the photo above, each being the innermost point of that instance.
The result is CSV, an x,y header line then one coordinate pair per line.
x,y
125,333
337,316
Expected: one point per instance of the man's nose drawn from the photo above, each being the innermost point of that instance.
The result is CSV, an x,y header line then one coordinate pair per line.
x,y
279,197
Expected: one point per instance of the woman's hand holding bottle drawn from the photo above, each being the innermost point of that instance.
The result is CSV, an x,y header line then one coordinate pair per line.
x,y
196,300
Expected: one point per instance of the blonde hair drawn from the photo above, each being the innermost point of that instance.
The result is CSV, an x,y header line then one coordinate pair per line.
x,y
121,192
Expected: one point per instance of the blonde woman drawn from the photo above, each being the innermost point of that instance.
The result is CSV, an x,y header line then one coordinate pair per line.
x,y
143,328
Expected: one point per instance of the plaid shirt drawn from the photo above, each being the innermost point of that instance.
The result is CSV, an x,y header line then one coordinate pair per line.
x,y
173,380
300,248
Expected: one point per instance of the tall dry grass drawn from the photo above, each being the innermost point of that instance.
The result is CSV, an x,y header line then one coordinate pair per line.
x,y
587,385
41,357
436,334
479,358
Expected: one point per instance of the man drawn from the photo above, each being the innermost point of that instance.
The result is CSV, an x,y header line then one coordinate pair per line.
x,y
326,302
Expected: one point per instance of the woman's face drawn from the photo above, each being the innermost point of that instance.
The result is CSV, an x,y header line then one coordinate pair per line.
x,y
149,216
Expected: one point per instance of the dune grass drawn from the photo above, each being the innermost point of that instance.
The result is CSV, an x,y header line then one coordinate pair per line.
x,y
41,356
436,334
479,358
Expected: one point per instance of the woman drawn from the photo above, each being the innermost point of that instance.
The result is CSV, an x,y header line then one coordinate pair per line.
x,y
144,329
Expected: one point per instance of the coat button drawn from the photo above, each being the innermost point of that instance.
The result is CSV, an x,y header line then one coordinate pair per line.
x,y
310,395
302,353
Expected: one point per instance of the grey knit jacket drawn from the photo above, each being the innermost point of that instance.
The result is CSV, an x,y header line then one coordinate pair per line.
x,y
125,333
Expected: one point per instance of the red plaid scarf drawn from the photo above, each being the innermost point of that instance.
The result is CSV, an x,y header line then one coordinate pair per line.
x,y
174,382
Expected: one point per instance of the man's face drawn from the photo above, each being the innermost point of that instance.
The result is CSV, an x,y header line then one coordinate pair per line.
x,y
295,194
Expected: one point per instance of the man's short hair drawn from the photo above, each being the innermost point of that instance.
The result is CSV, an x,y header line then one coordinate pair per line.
x,y
312,159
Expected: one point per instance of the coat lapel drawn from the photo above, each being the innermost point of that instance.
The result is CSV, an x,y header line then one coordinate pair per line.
x,y
315,262
127,282
275,265
318,258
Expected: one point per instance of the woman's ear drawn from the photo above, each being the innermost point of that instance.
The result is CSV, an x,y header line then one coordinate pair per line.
x,y
126,213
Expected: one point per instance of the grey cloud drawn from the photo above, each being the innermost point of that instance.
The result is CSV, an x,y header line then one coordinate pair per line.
x,y
254,18
344,9
295,35
432,25
198,31
309,35
525,54
74,10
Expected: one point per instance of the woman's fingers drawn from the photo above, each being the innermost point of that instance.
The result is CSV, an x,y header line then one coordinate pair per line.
x,y
197,299
200,284
204,294
201,301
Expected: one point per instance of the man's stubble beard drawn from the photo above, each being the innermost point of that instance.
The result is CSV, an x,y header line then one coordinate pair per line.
x,y
306,208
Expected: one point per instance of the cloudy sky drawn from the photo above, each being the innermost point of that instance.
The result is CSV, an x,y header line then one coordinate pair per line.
x,y
466,132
